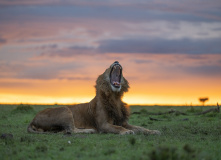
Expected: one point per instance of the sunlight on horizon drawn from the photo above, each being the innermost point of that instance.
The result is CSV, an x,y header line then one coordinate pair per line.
x,y
130,100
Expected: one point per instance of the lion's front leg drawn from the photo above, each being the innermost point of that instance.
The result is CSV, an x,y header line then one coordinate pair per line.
x,y
105,124
110,128
138,129
76,130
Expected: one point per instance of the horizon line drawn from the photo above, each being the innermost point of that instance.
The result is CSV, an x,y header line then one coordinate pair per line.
x,y
62,104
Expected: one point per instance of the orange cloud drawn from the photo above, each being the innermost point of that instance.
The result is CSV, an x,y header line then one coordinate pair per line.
x,y
154,79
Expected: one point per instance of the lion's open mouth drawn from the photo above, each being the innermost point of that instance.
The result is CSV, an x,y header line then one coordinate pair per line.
x,y
115,75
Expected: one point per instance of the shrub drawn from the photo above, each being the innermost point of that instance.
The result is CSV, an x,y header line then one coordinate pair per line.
x,y
144,111
23,109
194,110
172,153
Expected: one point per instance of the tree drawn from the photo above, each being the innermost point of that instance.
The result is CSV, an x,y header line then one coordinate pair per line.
x,y
203,100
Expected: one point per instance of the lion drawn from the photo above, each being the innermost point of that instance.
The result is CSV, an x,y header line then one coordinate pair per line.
x,y
105,113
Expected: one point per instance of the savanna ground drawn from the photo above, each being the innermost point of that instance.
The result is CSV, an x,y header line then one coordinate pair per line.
x,y
184,136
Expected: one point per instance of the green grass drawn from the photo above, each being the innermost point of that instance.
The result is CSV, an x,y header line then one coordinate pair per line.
x,y
183,137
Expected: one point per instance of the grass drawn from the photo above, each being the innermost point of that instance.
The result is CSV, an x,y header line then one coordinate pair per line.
x,y
183,137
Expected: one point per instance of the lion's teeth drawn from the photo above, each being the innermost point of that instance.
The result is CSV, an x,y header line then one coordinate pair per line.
x,y
116,83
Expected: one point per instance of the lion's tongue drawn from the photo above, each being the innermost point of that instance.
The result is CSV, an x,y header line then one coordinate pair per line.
x,y
116,83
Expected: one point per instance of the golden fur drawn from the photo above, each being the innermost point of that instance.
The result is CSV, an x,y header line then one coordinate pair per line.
x,y
105,113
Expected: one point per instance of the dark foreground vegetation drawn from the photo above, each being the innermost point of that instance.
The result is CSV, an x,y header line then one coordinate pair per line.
x,y
187,133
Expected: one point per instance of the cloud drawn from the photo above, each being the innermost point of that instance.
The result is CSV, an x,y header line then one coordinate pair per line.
x,y
49,46
2,41
10,69
65,53
162,46
12,85
217,29
118,11
45,70
54,70
140,61
209,71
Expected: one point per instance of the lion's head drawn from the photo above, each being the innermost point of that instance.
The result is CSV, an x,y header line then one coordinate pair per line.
x,y
112,80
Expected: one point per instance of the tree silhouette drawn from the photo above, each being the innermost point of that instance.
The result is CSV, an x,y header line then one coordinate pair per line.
x,y
203,100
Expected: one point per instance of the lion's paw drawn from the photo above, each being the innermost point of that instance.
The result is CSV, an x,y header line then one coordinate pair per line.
x,y
76,130
156,132
90,131
127,132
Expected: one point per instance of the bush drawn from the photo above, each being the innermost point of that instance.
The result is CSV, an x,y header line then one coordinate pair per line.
x,y
23,109
172,153
194,110
164,153
144,111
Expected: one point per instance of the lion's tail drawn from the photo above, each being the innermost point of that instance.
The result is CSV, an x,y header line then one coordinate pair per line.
x,y
31,129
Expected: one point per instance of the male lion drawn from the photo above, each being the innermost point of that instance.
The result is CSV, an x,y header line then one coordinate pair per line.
x,y
106,113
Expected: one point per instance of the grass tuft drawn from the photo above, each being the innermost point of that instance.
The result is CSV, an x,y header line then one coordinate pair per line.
x,y
109,151
143,111
172,153
193,109
23,109
164,153
132,141
42,148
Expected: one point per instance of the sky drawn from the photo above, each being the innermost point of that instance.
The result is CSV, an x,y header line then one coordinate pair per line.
x,y
52,51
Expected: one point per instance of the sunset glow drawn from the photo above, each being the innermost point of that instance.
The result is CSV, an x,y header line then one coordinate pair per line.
x,y
53,52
